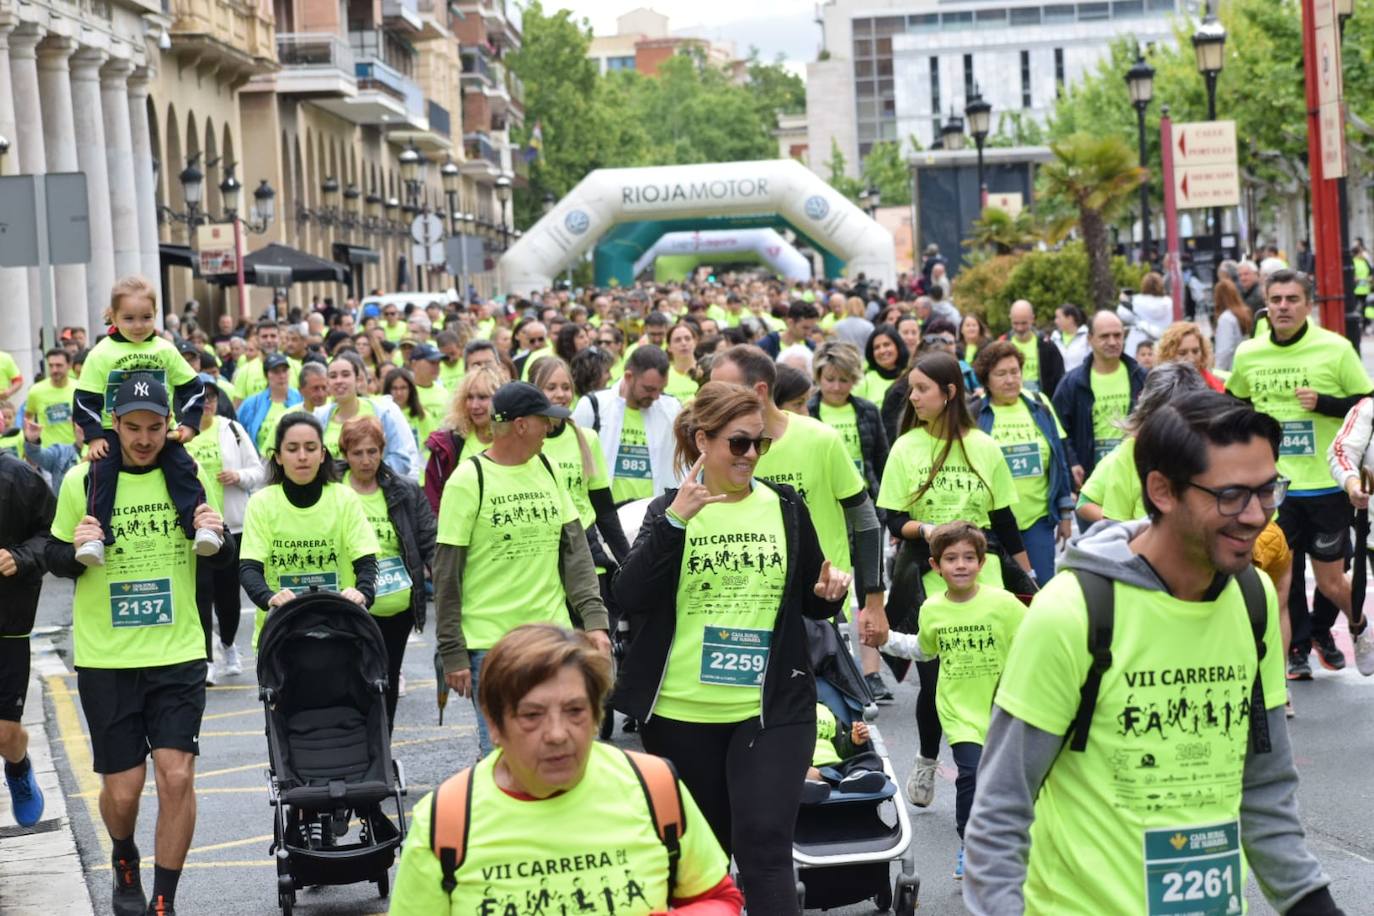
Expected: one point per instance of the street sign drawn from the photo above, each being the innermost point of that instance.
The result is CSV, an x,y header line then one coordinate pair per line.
x,y
425,255
69,221
1206,173
18,223
462,253
1330,92
215,249
1011,204
1331,136
426,229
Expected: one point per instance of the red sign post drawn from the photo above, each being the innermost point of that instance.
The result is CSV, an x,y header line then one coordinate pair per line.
x,y
1321,55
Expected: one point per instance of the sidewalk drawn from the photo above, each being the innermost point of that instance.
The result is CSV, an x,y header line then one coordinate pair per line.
x,y
40,870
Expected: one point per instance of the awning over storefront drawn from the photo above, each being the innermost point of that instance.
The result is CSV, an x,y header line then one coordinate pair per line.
x,y
173,255
345,253
283,265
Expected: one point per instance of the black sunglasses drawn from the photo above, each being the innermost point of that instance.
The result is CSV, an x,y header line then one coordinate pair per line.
x,y
739,445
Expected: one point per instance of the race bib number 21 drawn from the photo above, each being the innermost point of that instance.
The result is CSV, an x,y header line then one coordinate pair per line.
x,y
1193,871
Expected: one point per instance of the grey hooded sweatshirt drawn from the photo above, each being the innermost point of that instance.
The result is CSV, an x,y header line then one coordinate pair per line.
x,y
1018,757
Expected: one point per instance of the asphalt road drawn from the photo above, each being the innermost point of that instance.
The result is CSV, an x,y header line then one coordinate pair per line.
x,y
229,872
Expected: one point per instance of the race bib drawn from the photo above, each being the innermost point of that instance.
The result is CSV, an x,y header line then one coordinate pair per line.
x,y
304,581
392,576
1299,438
734,656
1193,871
57,413
1024,459
141,603
632,461
1104,447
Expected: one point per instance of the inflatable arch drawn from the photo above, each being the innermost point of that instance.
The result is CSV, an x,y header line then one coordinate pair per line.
x,y
778,186
771,248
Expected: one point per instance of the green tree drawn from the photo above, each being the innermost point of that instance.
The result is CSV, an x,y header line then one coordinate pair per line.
x,y
885,168
774,88
692,112
999,232
1095,176
1016,128
835,173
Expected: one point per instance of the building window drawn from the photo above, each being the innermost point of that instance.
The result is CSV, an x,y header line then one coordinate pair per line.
x,y
1088,12
954,21
1059,12
1163,6
935,87
991,19
620,63
1029,15
969,90
923,22
1058,71
1025,80
1127,9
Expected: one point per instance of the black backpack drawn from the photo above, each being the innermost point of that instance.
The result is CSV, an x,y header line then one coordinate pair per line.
x,y
1100,599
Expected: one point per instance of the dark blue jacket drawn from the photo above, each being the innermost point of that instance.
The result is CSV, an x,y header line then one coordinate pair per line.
x,y
1061,481
1073,401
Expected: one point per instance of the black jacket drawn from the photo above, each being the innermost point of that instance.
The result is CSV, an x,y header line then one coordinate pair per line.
x,y
873,441
646,588
1051,363
416,530
1073,401
27,506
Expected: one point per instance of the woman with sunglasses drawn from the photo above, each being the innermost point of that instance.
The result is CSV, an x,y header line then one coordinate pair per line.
x,y
717,585
942,468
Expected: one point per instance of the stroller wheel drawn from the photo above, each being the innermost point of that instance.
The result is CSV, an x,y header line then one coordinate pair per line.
x,y
383,885
883,900
286,901
907,887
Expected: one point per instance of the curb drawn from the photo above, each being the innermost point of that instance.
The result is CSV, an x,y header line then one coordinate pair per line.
x,y
40,871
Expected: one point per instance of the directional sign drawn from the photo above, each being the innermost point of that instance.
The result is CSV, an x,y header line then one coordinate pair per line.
x,y
1204,143
1205,169
1010,204
1330,92
1207,186
426,229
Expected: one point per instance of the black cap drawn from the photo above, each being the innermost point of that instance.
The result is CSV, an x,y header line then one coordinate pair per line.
x,y
274,361
514,400
140,392
426,351
188,349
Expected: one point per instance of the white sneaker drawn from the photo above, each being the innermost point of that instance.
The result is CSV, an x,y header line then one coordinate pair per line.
x,y
207,542
213,674
217,651
1364,650
920,783
232,664
91,553
401,684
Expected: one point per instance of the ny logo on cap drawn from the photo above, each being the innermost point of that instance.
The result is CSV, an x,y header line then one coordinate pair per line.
x,y
141,389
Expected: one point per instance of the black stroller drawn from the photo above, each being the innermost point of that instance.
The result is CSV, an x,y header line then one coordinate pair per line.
x,y
322,682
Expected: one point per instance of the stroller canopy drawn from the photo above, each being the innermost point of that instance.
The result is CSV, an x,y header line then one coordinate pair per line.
x,y
291,629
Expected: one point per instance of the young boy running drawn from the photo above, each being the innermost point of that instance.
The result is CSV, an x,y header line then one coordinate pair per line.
x,y
133,347
969,628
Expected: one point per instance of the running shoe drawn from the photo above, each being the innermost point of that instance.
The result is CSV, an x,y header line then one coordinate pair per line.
x,y
26,797
1331,657
920,784
1288,711
217,651
91,553
959,865
128,898
863,781
160,907
1299,668
208,542
233,665
1364,651
213,674
881,695
814,792
401,684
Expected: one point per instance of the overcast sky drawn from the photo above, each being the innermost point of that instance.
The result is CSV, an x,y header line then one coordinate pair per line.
x,y
774,26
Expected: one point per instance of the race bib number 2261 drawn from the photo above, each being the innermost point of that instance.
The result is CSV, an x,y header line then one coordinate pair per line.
x,y
1194,871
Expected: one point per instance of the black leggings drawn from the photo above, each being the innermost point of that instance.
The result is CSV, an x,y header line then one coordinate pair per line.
x,y
178,468
395,631
747,782
928,728
217,598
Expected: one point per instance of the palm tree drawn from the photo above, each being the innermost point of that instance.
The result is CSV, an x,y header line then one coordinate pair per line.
x,y
1000,232
1095,176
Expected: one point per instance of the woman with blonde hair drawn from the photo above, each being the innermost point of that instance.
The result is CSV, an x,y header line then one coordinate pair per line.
x,y
1234,321
465,431
1184,342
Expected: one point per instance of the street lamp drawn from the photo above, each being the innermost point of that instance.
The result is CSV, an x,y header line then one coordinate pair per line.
x,y
869,199
1209,44
451,176
229,192
1140,80
952,133
503,195
412,173
978,111
192,184
264,207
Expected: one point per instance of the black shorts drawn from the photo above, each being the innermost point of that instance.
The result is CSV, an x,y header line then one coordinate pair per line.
x,y
14,677
1318,526
131,711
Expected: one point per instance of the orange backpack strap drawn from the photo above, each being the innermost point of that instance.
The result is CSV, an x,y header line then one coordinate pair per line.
x,y
448,825
659,781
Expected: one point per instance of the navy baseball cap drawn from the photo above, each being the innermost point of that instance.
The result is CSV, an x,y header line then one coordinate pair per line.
x,y
274,361
426,351
140,392
514,400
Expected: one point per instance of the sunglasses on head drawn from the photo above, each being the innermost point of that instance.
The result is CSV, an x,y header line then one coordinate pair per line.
x,y
537,341
739,445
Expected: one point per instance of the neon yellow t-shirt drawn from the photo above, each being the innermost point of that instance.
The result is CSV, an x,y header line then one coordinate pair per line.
x,y
1030,371
1028,458
393,332
845,421
973,481
811,458
51,408
450,374
334,428
12,442
1269,375
512,534
139,609
566,457
874,387
249,378
9,369
434,398
734,567
267,432
393,579
972,639
1121,496
824,754
304,548
204,448
534,357
110,361
573,850
631,477
680,385
1111,404
1165,752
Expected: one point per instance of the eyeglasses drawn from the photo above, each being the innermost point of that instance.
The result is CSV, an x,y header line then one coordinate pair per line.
x,y
939,339
1233,500
537,341
740,445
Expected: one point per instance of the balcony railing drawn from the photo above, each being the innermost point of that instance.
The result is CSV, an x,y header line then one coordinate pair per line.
x,y
377,75
318,50
475,63
396,9
479,146
439,122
